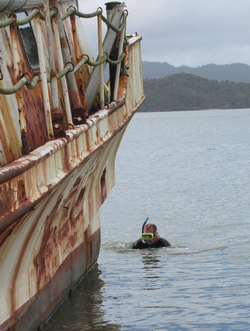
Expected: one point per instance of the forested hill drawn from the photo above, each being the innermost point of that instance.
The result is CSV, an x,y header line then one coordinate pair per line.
x,y
189,92
236,72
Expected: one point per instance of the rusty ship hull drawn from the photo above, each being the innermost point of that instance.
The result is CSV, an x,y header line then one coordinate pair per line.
x,y
60,132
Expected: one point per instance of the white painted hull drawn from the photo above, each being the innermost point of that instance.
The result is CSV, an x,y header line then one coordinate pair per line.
x,y
50,197
56,243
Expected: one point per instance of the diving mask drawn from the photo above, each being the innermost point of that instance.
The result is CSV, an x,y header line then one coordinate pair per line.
x,y
147,236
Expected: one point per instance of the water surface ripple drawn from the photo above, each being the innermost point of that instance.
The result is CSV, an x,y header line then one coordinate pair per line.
x,y
189,173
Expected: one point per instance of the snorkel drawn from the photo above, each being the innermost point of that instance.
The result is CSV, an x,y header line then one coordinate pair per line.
x,y
142,231
145,222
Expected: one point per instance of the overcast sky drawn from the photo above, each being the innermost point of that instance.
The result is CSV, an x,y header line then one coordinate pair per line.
x,y
188,32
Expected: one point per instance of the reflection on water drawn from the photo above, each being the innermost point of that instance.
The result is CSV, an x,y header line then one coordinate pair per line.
x,y
83,310
150,259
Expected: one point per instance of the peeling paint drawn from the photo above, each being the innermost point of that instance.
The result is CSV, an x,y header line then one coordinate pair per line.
x,y
57,164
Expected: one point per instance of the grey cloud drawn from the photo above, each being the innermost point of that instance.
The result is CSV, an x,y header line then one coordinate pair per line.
x,y
190,32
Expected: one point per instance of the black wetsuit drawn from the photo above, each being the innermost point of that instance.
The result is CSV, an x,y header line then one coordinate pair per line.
x,y
159,243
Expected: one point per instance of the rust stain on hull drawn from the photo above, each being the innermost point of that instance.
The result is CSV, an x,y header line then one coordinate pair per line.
x,y
64,219
51,190
58,288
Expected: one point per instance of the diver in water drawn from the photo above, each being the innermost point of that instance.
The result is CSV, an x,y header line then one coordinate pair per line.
x,y
150,238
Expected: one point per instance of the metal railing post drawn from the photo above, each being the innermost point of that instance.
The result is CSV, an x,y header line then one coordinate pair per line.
x,y
56,113
45,92
100,52
63,78
118,67
114,51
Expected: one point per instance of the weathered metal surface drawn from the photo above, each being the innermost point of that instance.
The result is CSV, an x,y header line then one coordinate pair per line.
x,y
107,46
50,198
11,5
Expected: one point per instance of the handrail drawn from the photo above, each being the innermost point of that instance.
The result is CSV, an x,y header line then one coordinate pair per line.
x,y
71,11
77,102
35,11
68,68
13,89
81,90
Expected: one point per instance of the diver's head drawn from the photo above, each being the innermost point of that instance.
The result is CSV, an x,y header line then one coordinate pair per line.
x,y
150,234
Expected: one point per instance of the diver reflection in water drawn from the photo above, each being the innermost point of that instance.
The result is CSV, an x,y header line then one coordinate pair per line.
x,y
151,259
150,238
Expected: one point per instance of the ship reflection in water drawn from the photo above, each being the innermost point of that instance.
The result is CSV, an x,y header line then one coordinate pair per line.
x,y
83,309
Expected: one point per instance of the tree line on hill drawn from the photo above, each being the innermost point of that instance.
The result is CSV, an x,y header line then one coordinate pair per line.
x,y
183,91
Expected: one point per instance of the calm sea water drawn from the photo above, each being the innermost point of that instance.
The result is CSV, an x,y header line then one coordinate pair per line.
x,y
189,172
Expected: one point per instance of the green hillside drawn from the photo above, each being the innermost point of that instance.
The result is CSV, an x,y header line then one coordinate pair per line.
x,y
189,92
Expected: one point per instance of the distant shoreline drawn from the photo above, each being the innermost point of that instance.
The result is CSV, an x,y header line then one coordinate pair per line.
x,y
189,92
